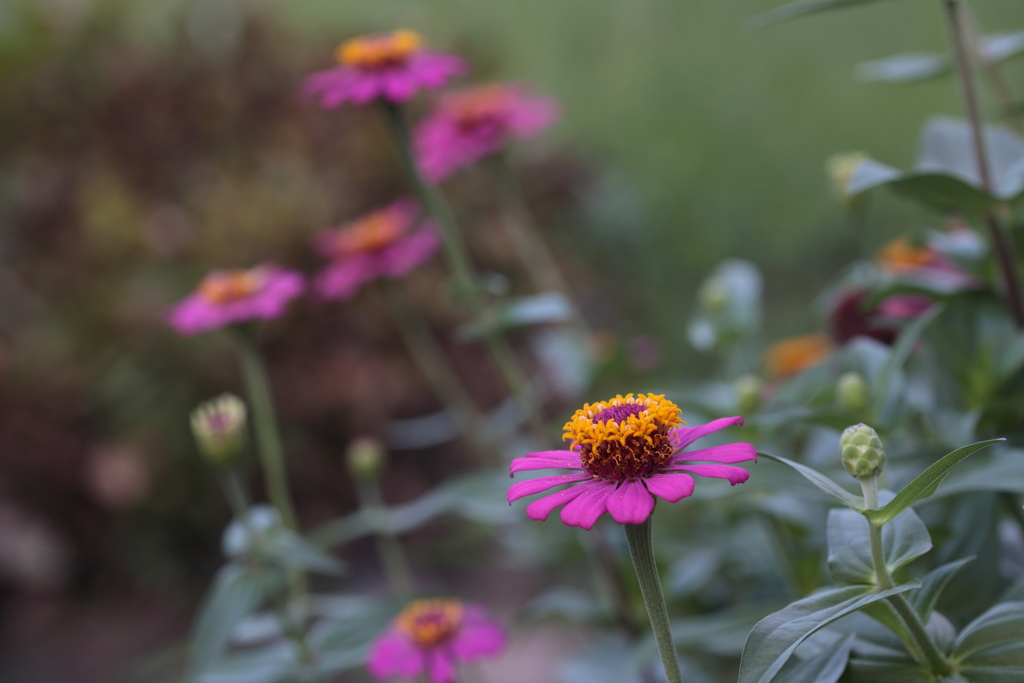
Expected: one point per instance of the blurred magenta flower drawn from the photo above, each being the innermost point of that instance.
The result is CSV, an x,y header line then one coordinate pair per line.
x,y
388,242
924,266
233,296
390,66
904,306
468,125
429,637
628,450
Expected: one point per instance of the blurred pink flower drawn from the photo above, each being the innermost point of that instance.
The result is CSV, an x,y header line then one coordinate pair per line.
x,y
233,296
390,66
385,243
628,451
924,266
429,637
904,306
470,124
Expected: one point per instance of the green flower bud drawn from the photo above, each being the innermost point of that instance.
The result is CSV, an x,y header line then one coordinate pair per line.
x,y
365,457
840,168
713,296
863,455
852,392
748,393
219,428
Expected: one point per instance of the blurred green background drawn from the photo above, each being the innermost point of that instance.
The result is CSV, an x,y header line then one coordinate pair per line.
x,y
143,142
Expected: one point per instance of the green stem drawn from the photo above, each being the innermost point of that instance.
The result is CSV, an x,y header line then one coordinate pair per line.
x,y
642,551
1001,240
234,491
389,549
935,660
435,367
465,277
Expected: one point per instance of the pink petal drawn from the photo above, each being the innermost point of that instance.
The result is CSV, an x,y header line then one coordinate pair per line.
x,y
479,637
539,510
631,503
591,503
532,486
545,460
413,251
440,666
672,487
343,279
394,655
735,475
729,453
683,436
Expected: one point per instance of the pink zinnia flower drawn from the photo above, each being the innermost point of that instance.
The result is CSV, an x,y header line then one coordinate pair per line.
x,y
628,450
391,66
386,243
904,306
468,125
431,636
924,265
233,296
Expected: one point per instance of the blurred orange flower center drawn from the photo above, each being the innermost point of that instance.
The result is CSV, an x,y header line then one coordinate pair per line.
x,y
374,52
223,287
377,231
790,356
483,103
428,622
901,256
625,437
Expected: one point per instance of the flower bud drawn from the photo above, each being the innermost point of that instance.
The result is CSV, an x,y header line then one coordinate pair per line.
x,y
219,428
713,296
862,452
365,457
748,393
852,392
840,168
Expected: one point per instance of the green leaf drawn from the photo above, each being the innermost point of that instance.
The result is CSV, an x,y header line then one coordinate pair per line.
x,y
908,67
925,597
925,484
823,483
1004,473
825,667
288,548
274,663
774,639
849,544
1001,625
998,47
236,591
799,9
885,392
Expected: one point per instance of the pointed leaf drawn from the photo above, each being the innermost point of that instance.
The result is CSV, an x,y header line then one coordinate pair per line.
x,y
849,544
799,9
774,639
1001,625
998,47
925,484
909,67
825,484
236,591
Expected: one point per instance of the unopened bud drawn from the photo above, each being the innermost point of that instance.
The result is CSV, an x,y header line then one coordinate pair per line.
x,y
852,392
219,428
713,296
840,168
862,452
365,457
748,393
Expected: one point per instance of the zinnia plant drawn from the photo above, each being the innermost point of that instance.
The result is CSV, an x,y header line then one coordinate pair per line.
x,y
430,637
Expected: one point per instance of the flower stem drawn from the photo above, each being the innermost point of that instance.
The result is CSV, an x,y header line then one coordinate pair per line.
x,y
389,549
435,367
1001,241
935,660
465,278
642,551
268,439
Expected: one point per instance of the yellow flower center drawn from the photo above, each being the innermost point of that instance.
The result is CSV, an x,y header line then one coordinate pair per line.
x,y
374,232
790,356
427,622
374,52
625,437
225,286
901,256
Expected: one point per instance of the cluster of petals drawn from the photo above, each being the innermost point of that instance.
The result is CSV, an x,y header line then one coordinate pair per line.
x,y
924,266
431,637
388,243
629,501
470,124
392,66
225,297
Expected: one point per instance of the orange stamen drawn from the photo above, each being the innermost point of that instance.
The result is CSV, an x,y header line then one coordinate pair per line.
x,y
790,356
374,52
428,622
225,286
